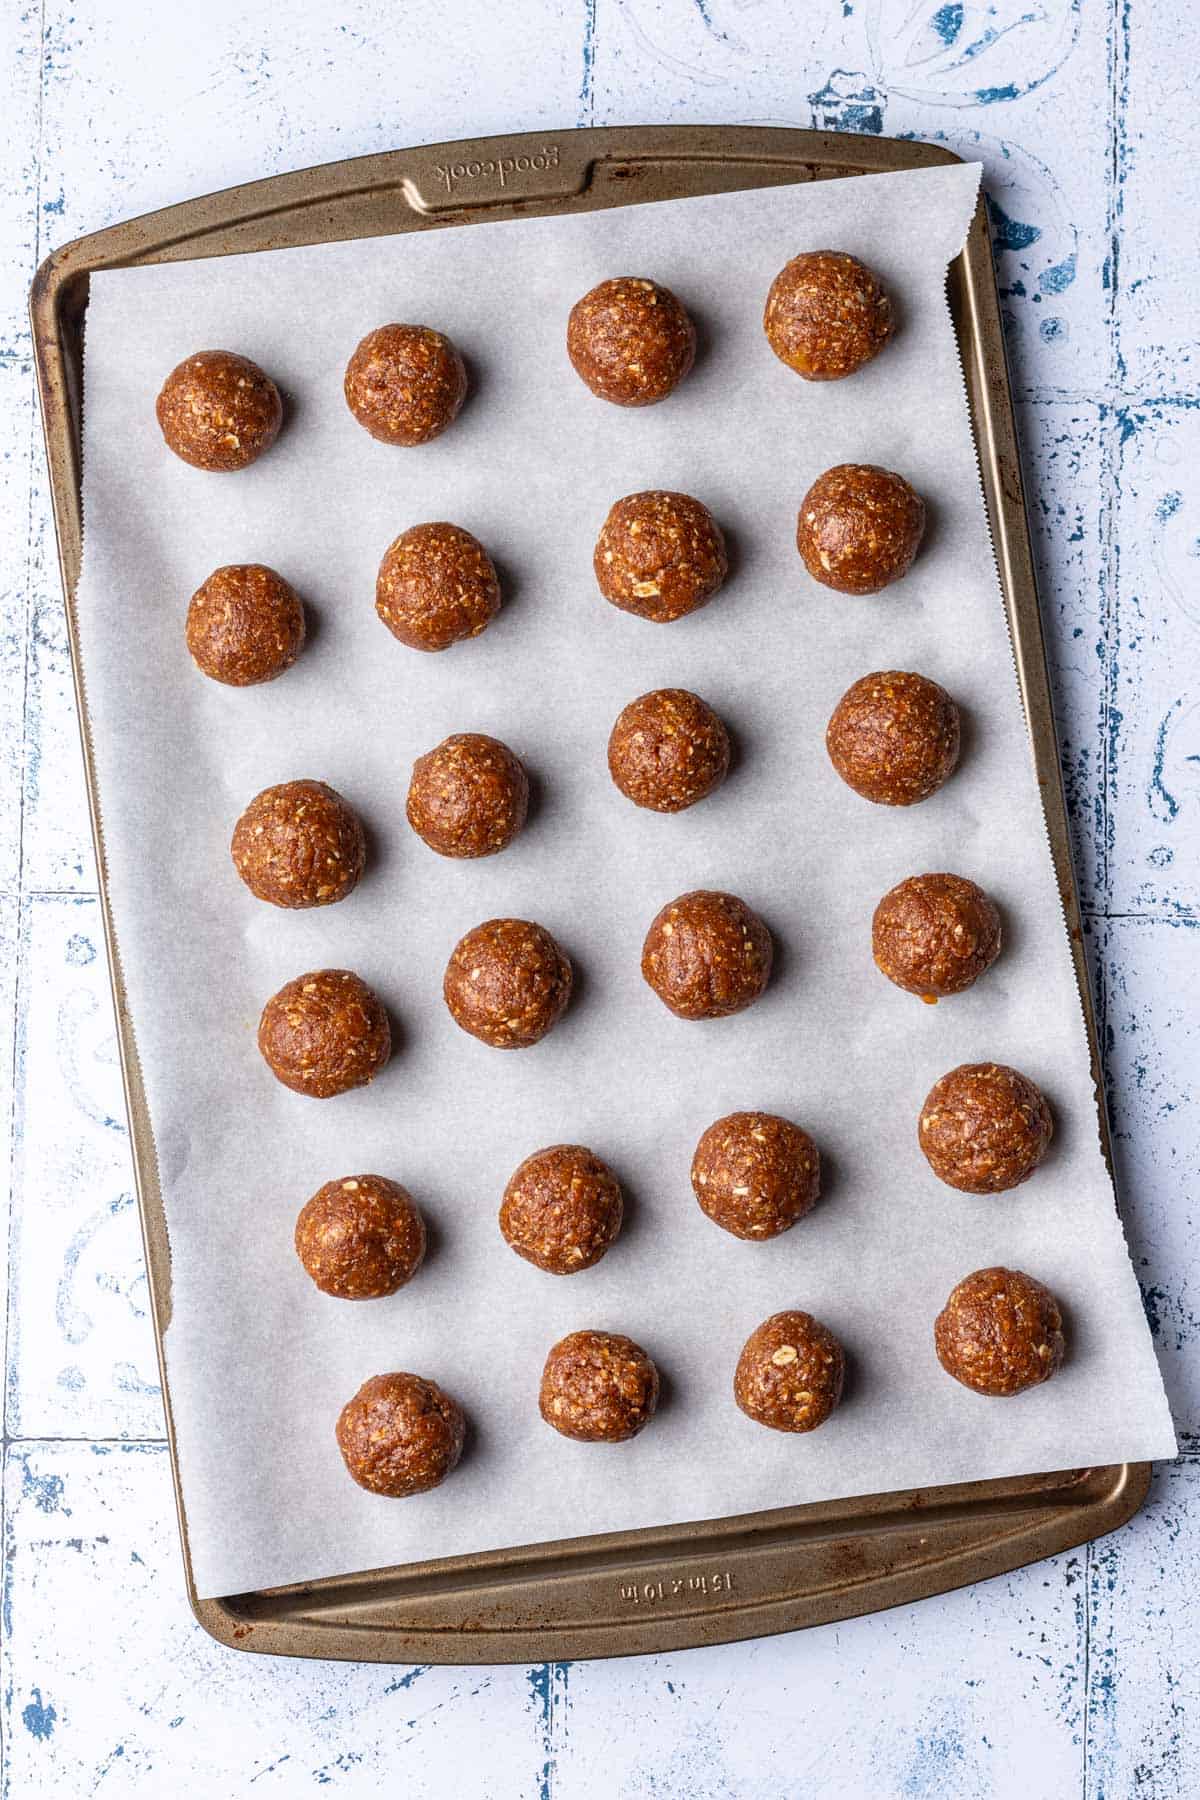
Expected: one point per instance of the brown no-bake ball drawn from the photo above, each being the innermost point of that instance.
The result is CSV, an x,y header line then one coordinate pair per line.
x,y
659,555
507,983
1000,1332
405,384
561,1209
667,750
707,955
324,1033
598,1387
469,797
894,737
245,624
436,585
984,1128
218,411
935,935
400,1435
630,341
790,1373
360,1237
826,315
299,844
859,528
755,1174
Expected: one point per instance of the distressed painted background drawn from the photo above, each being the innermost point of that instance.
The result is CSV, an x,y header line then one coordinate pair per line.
x,y
1079,1677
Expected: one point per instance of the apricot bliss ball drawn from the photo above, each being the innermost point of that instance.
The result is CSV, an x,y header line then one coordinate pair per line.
x,y
668,750
507,983
400,1435
984,1128
218,411
299,844
598,1387
405,384
1000,1332
468,797
859,528
707,955
659,555
360,1237
894,737
324,1033
630,341
245,625
827,315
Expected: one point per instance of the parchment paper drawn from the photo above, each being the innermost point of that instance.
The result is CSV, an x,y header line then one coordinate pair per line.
x,y
259,1362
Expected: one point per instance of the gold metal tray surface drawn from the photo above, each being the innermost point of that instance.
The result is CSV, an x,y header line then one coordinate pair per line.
x,y
623,1593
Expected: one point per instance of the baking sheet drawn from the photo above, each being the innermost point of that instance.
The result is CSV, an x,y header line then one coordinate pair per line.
x,y
259,1362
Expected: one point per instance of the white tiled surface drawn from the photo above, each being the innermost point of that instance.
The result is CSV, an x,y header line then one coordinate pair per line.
x,y
1074,1680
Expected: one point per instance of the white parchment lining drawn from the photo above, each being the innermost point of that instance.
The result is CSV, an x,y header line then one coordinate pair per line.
x,y
258,1361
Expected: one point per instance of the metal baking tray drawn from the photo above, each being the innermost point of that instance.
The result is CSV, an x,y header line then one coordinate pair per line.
x,y
623,1593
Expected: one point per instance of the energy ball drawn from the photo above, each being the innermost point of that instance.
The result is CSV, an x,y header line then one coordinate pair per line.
x,y
1000,1332
826,315
400,1435
360,1238
245,624
562,1209
755,1174
218,411
324,1033
436,585
894,737
405,384
299,844
707,955
984,1128
668,750
790,1373
598,1387
507,983
659,555
859,528
469,797
935,935
630,341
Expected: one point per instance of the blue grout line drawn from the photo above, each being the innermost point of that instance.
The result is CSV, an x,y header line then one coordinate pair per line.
x,y
20,844
587,90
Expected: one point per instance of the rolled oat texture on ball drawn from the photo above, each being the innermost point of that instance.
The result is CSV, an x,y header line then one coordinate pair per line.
x,y
299,844
507,983
754,1174
562,1209
707,955
630,341
859,528
245,625
218,411
400,1435
1000,1332
668,750
360,1237
436,587
984,1128
324,1033
405,384
598,1387
827,315
935,935
790,1373
894,737
660,555
469,797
